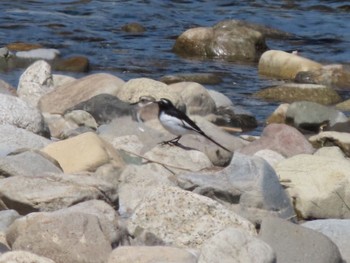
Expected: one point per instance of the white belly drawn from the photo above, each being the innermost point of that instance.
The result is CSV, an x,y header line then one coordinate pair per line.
x,y
174,125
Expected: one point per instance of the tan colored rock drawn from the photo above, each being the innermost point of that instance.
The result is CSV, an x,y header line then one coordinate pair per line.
x,y
183,218
283,65
332,138
85,152
143,254
59,80
279,114
291,92
72,93
319,185
21,46
21,256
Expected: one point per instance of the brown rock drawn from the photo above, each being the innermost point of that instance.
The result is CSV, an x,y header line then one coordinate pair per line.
x,y
73,64
21,46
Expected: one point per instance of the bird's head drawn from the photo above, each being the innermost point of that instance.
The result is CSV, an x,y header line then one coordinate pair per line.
x,y
165,103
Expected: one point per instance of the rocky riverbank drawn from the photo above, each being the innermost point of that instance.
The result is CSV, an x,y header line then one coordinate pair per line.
x,y
83,181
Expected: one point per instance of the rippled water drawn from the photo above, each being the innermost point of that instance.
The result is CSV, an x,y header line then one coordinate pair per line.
x,y
321,32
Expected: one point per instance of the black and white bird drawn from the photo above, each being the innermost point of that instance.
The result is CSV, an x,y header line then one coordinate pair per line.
x,y
178,123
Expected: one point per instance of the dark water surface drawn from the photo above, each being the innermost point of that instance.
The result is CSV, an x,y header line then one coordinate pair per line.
x,y
93,29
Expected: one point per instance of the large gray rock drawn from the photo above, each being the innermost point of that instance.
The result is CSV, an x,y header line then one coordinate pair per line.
x,y
65,237
317,184
248,181
338,230
183,218
50,192
231,39
16,112
35,82
293,243
309,115
13,138
143,254
27,163
280,138
233,245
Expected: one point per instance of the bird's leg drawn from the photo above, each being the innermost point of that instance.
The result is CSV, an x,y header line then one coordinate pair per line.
x,y
174,141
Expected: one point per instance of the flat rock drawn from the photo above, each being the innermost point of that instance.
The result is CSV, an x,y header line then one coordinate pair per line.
x,y
182,218
61,236
13,138
309,116
291,92
85,152
234,245
39,53
280,138
35,82
294,243
202,78
338,230
50,192
72,64
249,182
21,256
317,185
15,111
79,90
143,254
282,65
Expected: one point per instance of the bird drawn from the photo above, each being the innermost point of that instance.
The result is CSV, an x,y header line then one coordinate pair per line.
x,y
178,123
141,108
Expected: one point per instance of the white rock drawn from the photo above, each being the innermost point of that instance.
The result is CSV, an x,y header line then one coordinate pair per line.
x,y
42,53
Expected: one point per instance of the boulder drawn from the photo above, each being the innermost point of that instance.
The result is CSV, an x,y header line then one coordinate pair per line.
x,y
59,80
182,218
220,99
234,245
290,92
338,230
319,187
280,138
21,256
85,152
49,192
13,138
248,182
332,138
6,218
282,65
79,90
294,243
16,112
143,254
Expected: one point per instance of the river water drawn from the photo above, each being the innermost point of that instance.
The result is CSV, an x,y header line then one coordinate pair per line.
x,y
321,31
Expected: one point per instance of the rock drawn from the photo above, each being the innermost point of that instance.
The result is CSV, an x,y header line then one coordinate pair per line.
x,y
249,182
85,152
15,111
282,65
332,138
318,188
231,39
311,116
182,218
6,218
195,96
329,75
234,245
337,230
21,46
220,99
80,90
293,243
61,236
280,138
7,89
59,80
39,53
202,78
104,108
72,64
136,181
143,254
21,256
13,138
290,92
27,163
49,192
272,157
81,118
279,115
133,28
35,82
4,52
330,151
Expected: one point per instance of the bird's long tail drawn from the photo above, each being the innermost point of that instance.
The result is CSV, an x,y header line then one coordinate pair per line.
x,y
218,144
